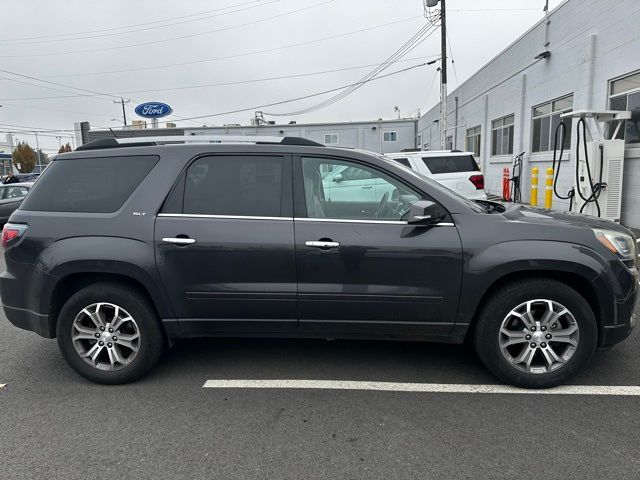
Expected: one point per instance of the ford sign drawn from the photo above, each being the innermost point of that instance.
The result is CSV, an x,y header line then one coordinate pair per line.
x,y
153,110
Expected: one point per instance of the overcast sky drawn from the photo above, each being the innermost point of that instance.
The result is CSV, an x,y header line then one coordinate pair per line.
x,y
152,50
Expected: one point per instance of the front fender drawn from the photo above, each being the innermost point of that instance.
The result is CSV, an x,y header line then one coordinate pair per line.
x,y
484,267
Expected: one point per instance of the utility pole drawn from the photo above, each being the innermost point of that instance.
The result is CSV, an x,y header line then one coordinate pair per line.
x,y
124,113
38,152
443,74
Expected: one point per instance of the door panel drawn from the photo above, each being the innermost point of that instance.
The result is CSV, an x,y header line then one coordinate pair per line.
x,y
365,272
383,279
238,269
224,245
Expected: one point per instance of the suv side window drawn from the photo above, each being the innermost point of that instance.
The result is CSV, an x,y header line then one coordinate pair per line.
x,y
233,185
88,185
353,191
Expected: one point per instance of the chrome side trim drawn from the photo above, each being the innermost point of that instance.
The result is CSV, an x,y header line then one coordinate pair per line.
x,y
343,220
228,217
297,219
384,222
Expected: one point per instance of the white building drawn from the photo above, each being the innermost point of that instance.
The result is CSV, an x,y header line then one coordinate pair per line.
x,y
513,103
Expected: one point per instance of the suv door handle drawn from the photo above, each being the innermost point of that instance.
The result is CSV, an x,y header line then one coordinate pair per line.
x,y
179,241
367,186
321,244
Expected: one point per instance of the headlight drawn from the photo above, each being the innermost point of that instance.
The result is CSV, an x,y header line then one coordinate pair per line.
x,y
620,244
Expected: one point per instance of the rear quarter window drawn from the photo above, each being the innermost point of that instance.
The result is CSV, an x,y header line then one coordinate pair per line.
x,y
403,161
451,164
88,185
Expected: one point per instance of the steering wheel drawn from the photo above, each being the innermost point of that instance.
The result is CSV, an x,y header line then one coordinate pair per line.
x,y
382,205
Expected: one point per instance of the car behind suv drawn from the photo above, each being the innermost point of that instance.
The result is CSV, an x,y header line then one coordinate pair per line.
x,y
119,249
454,169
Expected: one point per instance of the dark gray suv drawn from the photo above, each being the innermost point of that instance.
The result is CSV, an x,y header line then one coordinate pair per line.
x,y
121,248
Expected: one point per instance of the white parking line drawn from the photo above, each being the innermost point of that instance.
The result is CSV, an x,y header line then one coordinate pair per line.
x,y
423,387
2,385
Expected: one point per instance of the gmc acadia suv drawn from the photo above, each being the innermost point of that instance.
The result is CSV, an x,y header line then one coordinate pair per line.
x,y
121,248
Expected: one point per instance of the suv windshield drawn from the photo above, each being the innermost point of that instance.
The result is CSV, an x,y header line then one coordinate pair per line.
x,y
451,164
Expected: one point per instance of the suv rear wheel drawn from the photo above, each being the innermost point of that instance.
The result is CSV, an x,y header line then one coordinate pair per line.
x,y
536,333
109,334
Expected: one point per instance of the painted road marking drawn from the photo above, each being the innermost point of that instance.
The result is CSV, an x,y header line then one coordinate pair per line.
x,y
2,385
631,390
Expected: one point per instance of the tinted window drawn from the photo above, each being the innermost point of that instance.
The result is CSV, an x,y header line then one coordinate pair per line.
x,y
403,161
451,164
237,185
96,185
14,192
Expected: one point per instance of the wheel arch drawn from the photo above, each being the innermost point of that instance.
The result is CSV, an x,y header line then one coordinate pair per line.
x,y
578,282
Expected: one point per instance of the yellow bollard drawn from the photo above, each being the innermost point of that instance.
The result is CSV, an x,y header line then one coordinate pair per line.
x,y
548,189
534,186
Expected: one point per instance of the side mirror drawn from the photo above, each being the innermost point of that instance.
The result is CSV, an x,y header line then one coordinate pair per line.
x,y
426,212
337,178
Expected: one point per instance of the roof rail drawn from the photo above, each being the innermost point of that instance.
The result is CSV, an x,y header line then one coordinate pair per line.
x,y
193,139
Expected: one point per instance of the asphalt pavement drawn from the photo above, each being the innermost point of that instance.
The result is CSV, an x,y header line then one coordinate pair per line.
x,y
56,425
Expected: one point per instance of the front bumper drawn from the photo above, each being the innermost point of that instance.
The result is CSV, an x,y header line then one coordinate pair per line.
x,y
28,320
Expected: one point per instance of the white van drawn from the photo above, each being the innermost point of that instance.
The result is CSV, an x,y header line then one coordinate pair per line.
x,y
456,170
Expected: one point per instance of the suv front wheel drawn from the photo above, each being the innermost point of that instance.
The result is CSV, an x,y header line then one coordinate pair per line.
x,y
536,333
109,334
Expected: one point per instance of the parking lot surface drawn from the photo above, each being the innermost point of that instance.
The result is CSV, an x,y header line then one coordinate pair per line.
x,y
54,424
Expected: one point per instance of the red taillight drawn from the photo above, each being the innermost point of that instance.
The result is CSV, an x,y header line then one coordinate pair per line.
x,y
11,232
478,181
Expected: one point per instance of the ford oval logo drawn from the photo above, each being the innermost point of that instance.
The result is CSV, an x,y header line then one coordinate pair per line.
x,y
153,110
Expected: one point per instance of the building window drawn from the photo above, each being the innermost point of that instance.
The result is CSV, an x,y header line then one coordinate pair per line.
x,y
449,143
624,94
473,140
546,118
390,136
502,136
330,138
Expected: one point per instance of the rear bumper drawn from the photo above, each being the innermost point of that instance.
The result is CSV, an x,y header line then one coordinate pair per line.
x,y
28,320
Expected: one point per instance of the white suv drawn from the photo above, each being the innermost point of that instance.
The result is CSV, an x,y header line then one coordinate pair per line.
x,y
458,171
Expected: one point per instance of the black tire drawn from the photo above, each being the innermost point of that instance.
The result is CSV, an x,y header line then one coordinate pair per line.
x,y
151,343
486,333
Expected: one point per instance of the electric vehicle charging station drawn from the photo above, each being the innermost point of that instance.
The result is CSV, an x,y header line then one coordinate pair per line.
x,y
599,167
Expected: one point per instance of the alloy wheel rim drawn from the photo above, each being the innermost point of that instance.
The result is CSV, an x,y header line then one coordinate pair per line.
x,y
105,336
539,336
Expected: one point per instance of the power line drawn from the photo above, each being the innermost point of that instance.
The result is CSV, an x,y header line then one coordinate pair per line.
x,y
422,34
10,43
66,86
255,107
58,84
227,57
433,82
220,84
126,26
453,63
165,40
